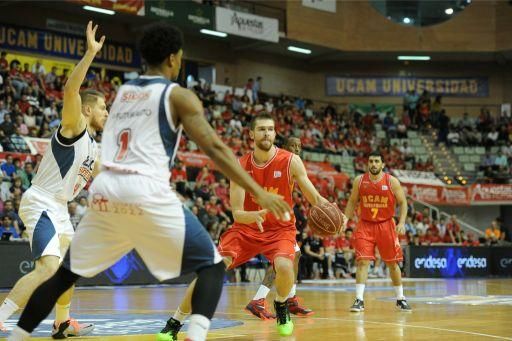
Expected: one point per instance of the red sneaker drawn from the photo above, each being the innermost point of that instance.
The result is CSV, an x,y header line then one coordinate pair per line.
x,y
259,309
295,308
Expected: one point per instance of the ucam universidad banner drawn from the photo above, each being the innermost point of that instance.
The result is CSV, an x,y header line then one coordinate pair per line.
x,y
399,86
63,45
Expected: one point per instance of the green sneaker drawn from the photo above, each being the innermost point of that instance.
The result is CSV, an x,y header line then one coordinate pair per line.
x,y
284,322
170,331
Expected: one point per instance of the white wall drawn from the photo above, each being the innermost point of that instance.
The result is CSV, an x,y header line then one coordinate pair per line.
x,y
478,216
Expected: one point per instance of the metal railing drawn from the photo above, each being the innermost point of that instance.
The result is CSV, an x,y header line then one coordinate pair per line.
x,y
443,214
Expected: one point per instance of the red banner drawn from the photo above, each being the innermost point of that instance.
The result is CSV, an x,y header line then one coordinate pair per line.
x,y
193,159
456,195
491,193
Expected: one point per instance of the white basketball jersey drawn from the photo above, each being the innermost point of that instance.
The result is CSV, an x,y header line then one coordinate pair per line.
x,y
139,136
66,169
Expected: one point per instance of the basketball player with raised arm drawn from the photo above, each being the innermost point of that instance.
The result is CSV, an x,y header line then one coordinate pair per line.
x,y
256,230
65,169
377,193
258,306
139,144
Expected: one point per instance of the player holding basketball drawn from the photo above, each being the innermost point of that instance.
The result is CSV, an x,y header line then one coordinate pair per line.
x,y
132,192
256,231
66,167
258,306
377,193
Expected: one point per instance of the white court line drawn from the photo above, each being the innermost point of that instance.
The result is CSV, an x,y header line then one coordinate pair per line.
x,y
415,326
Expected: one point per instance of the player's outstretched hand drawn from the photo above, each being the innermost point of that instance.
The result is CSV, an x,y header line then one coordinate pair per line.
x,y
275,204
93,45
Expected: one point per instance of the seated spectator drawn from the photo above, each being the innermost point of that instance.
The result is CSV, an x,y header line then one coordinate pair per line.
x,y
314,254
205,177
179,176
501,162
453,137
492,137
8,168
452,231
329,244
470,240
8,228
493,231
487,163
7,125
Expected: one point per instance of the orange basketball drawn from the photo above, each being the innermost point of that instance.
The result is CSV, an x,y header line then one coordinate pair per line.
x,y
325,219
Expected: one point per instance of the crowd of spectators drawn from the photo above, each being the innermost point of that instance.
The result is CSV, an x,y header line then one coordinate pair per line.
x,y
31,101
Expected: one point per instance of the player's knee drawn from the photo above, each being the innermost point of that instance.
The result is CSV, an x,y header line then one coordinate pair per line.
x,y
363,263
213,272
283,266
46,267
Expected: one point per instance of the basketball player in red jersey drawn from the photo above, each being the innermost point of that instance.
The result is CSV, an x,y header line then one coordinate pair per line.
x,y
377,193
258,306
256,231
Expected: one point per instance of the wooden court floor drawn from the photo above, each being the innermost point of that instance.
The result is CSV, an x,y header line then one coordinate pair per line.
x,y
479,309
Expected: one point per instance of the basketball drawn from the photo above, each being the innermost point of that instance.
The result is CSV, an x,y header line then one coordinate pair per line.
x,y
325,219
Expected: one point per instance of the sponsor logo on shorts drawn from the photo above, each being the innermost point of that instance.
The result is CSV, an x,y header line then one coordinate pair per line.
x,y
277,174
384,187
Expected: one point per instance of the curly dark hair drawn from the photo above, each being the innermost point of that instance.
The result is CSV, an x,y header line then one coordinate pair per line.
x,y
158,41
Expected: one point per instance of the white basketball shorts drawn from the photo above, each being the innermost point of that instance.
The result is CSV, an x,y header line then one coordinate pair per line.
x,y
131,211
47,222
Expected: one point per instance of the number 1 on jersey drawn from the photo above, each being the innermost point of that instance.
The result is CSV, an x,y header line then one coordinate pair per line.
x,y
375,211
123,138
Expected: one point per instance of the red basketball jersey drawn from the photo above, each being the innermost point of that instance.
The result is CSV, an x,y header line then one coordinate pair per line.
x,y
274,177
376,199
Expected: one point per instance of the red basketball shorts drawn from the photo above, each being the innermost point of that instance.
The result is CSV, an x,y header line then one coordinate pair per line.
x,y
383,235
242,246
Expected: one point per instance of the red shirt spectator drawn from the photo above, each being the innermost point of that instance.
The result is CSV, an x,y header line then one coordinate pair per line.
x,y
205,177
329,242
179,174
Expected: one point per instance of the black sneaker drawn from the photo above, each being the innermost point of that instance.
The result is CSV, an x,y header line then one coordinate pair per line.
x,y
358,306
402,305
284,322
170,331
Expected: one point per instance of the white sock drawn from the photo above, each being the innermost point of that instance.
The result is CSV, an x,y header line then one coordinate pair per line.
x,y
7,309
293,291
198,327
261,293
62,312
18,334
180,316
399,291
359,291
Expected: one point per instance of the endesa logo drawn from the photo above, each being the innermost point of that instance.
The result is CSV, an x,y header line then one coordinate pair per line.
x,y
132,96
472,263
506,262
430,263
